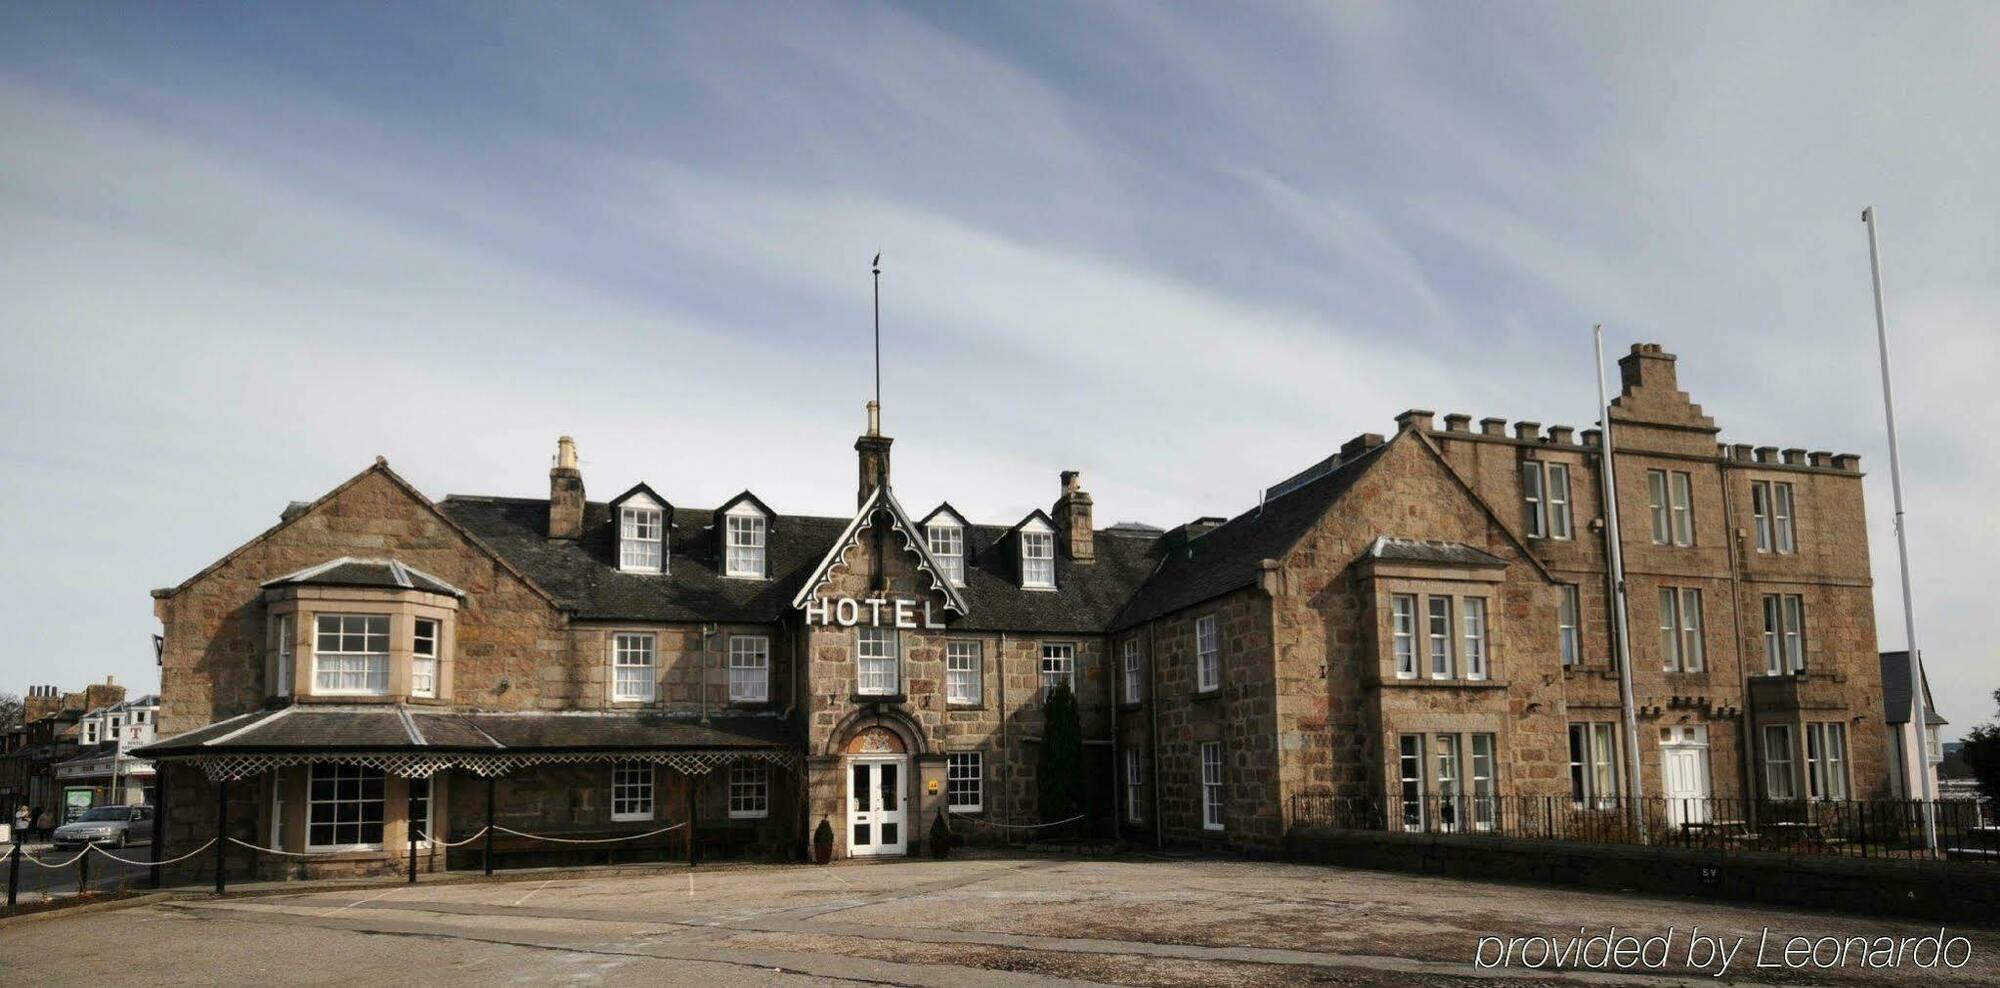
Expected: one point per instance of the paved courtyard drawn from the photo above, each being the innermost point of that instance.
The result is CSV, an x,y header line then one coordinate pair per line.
x,y
1134,920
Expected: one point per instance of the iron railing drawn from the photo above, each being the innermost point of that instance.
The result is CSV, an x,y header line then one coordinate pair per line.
x,y
1967,830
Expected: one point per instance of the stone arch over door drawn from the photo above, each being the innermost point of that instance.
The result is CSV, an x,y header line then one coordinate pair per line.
x,y
884,732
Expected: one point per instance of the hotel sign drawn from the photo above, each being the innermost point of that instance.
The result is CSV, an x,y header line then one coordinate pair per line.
x,y
846,612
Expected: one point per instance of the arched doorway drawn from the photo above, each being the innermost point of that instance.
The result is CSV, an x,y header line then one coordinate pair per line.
x,y
876,769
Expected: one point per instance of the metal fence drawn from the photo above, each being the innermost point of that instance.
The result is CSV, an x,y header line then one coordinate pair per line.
x,y
1967,830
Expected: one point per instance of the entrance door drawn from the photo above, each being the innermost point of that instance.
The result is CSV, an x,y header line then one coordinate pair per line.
x,y
875,806
1684,774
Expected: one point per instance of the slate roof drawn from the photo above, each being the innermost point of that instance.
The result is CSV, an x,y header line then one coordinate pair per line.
x,y
347,571
1227,557
400,728
583,574
1896,691
1431,551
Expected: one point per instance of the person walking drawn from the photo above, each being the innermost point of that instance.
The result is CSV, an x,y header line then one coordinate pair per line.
x,y
45,822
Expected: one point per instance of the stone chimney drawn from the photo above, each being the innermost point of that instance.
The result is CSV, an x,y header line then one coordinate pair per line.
x,y
873,448
565,493
40,702
1647,366
1073,515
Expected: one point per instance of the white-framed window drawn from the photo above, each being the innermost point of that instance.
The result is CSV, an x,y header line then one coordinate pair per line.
x,y
287,655
1771,507
1593,764
1670,496
878,654
1569,626
1474,626
746,530
424,658
344,806
1211,785
962,661
1130,665
1410,775
1038,557
1784,633
1207,655
117,725
965,781
90,731
642,543
1545,489
631,790
749,669
420,809
1403,633
351,654
1826,761
1444,748
633,660
278,809
1681,647
1485,810
1135,784
749,791
1780,782
947,544
1442,658
1058,668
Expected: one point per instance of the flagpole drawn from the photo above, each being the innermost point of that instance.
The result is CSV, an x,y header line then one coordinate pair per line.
x,y
876,265
1624,638
1919,710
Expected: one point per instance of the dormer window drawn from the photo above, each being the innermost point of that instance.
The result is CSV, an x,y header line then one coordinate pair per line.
x,y
642,544
947,545
746,528
1038,556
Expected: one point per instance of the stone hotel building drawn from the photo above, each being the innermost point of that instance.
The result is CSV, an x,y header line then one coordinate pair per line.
x,y
1420,614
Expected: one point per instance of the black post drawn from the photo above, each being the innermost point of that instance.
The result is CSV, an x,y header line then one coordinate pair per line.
x,y
221,829
14,874
83,869
690,788
159,822
489,826
410,824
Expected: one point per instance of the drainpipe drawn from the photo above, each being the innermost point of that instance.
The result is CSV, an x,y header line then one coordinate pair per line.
x,y
1747,762
701,670
1000,664
1111,691
1153,708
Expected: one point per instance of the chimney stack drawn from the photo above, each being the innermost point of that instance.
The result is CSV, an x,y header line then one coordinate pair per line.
x,y
565,493
873,448
1647,366
1073,514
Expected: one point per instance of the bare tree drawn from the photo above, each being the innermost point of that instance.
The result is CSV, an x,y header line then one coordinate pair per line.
x,y
10,710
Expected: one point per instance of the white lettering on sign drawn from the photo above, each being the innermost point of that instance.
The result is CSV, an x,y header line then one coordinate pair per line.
x,y
846,612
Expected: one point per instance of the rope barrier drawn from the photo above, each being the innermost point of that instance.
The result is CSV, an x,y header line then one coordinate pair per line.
x,y
31,859
1019,826
462,843
600,840
148,864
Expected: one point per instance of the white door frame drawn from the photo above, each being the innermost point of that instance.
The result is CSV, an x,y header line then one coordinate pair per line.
x,y
875,816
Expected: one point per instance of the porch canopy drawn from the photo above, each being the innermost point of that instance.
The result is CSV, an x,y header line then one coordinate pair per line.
x,y
412,741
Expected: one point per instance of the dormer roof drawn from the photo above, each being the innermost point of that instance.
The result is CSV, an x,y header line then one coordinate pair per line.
x,y
350,571
638,489
944,513
745,498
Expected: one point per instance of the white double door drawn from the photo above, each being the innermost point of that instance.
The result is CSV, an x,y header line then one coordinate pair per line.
x,y
1684,774
877,810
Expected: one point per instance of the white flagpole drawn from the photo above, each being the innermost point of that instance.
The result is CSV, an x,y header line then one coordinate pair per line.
x,y
1919,710
1624,638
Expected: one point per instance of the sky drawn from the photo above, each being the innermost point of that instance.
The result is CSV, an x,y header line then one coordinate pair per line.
x,y
245,250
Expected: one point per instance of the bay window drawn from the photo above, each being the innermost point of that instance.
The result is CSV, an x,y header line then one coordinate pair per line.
x,y
424,659
1826,761
1410,773
1779,780
351,654
1474,622
344,807
1593,765
1403,633
1440,637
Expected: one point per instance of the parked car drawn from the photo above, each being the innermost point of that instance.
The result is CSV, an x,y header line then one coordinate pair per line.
x,y
114,825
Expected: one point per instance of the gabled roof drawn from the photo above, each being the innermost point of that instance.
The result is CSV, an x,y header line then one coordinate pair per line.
x,y
1896,691
348,571
1035,515
639,488
914,541
1229,556
753,499
944,508
381,466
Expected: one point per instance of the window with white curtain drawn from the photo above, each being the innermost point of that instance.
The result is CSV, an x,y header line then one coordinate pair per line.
x,y
632,664
749,669
351,654
1784,633
947,545
746,531
1403,632
878,661
642,544
1038,558
962,672
1473,625
1207,655
424,658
